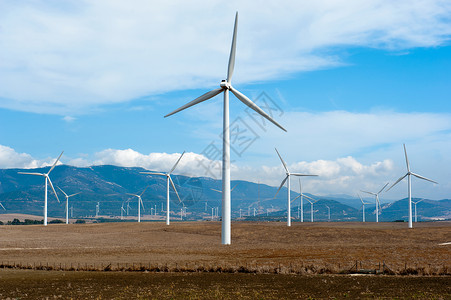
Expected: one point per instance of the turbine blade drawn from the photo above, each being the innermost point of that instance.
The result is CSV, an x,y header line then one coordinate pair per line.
x,y
62,191
2,206
283,163
374,194
142,204
216,190
254,106
132,195
295,198
153,173
360,198
298,174
144,190
54,165
51,185
74,194
232,51
26,173
396,182
200,99
407,160
173,168
424,178
300,187
234,187
175,190
281,185
382,188
309,198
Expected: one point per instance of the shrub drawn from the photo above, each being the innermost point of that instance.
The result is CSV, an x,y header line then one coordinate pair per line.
x,y
80,221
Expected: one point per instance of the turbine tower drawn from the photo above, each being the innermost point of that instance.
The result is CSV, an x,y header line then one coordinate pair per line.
x,y
378,204
328,213
140,203
409,184
67,203
363,207
225,86
415,203
287,178
47,181
168,180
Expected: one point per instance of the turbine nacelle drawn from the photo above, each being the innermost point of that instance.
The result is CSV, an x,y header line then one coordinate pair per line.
x,y
225,85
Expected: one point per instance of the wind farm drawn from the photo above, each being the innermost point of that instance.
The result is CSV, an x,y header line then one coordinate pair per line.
x,y
222,219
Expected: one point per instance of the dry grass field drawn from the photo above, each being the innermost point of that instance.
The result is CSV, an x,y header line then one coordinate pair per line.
x,y
333,245
305,248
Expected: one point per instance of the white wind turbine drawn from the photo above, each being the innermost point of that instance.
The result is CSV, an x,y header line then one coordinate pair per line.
x,y
287,178
140,203
311,207
67,203
378,204
363,207
328,213
301,195
47,181
225,86
168,180
415,203
122,211
409,184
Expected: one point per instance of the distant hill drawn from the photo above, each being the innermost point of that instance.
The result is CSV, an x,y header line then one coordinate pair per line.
x,y
108,185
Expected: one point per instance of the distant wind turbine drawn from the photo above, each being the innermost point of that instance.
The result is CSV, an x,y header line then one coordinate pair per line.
x,y
378,204
122,211
311,207
409,184
415,203
301,195
328,213
287,178
140,203
225,86
168,180
67,203
363,207
47,181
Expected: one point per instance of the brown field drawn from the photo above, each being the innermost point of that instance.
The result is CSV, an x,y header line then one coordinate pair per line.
x,y
305,248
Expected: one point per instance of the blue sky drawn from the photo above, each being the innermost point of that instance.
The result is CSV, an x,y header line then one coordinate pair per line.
x,y
353,81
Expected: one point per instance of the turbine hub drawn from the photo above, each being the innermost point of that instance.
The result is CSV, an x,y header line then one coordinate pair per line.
x,y
224,84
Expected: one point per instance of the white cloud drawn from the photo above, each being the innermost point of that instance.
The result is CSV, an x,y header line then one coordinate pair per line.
x,y
67,57
344,175
9,158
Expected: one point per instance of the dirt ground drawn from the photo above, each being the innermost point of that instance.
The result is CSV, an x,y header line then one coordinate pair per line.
x,y
324,245
27,284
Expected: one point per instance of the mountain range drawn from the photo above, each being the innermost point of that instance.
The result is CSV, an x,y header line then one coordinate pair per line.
x,y
107,186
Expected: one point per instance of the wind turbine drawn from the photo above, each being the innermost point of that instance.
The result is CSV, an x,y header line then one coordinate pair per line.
x,y
225,86
67,203
47,181
122,211
378,204
168,180
409,184
363,207
328,213
287,178
140,202
415,203
301,195
311,207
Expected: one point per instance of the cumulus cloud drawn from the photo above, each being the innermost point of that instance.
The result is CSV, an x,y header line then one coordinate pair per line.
x,y
9,158
72,56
